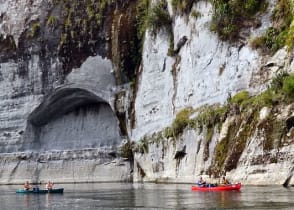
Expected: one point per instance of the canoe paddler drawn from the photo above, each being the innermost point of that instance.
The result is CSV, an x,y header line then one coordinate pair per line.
x,y
201,182
49,185
225,181
27,185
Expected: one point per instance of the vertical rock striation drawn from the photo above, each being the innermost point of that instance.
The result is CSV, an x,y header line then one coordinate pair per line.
x,y
207,71
57,117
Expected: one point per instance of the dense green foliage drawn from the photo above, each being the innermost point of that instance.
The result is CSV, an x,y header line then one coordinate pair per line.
x,y
280,91
196,14
229,16
126,150
181,121
159,18
282,31
208,116
142,146
153,17
288,86
277,81
239,97
290,36
143,9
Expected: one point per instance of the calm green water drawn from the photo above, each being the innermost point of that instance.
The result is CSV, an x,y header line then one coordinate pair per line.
x,y
147,196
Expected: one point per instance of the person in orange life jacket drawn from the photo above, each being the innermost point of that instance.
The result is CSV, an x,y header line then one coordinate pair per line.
x,y
225,181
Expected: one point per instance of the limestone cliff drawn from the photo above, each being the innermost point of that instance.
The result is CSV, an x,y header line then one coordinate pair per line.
x,y
59,90
79,79
185,118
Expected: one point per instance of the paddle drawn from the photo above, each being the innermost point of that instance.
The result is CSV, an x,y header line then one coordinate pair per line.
x,y
286,183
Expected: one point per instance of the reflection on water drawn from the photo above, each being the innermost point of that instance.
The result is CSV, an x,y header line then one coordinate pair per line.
x,y
147,196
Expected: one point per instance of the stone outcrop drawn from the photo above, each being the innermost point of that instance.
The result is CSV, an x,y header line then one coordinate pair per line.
x,y
186,158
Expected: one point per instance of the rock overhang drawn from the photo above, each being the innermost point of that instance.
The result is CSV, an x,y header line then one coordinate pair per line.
x,y
92,83
64,100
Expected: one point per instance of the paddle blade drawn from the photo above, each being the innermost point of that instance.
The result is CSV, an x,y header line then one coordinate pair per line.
x,y
286,183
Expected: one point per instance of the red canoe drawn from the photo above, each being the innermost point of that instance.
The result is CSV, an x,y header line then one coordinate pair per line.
x,y
218,188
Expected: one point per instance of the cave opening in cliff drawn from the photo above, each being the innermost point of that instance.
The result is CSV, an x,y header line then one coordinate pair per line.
x,y
72,119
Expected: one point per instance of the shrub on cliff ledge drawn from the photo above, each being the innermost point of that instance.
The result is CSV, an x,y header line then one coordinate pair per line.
x,y
290,36
277,81
229,16
288,86
142,146
239,97
159,17
126,150
282,31
142,15
181,121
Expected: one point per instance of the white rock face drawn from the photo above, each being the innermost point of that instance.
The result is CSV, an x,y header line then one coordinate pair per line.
x,y
15,15
264,113
205,71
160,163
154,105
250,172
79,146
19,95
95,72
22,92
208,70
255,166
67,166
82,147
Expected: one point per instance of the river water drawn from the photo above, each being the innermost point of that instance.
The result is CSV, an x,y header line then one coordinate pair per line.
x,y
147,196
